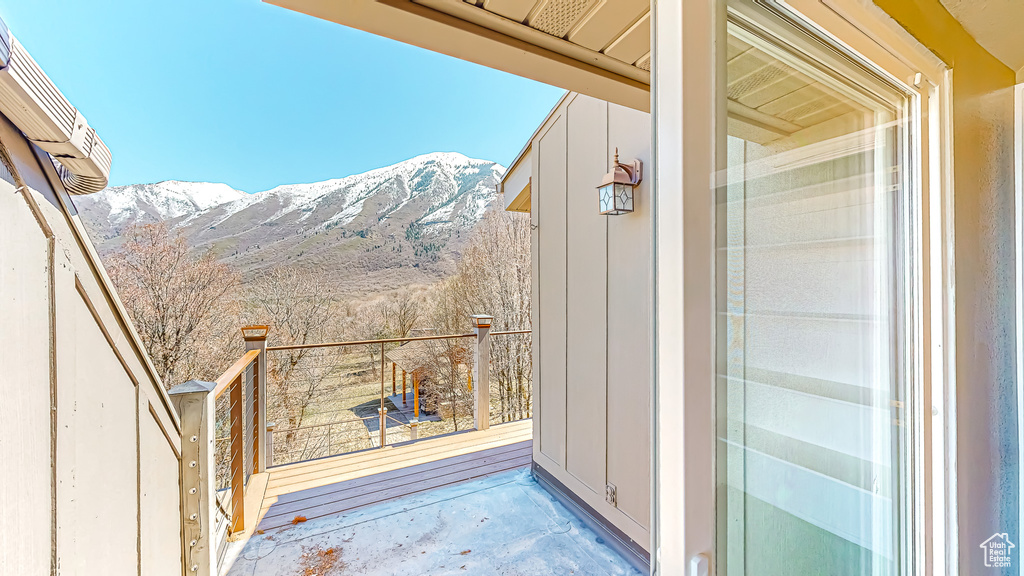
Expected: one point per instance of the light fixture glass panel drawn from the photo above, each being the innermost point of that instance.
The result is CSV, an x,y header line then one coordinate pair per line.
x,y
623,197
607,198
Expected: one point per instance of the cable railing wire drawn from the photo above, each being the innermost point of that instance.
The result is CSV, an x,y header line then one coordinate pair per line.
x,y
316,385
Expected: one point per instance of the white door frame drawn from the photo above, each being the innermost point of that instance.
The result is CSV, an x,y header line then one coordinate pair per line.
x,y
1018,165
682,103
685,119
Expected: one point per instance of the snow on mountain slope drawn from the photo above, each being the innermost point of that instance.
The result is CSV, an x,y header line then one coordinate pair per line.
x,y
414,214
415,176
163,200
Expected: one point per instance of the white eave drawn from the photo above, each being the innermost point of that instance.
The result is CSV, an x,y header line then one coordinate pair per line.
x,y
516,183
38,108
598,48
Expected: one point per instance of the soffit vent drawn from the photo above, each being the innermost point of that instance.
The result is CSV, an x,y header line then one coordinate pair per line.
x,y
644,63
557,17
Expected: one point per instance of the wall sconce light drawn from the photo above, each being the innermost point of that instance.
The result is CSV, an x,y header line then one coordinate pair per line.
x,y
616,190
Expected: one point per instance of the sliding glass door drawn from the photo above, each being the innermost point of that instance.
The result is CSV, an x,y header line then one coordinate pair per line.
x,y
813,230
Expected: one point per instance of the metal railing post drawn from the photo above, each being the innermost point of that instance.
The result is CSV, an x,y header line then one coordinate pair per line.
x,y
256,339
481,371
195,406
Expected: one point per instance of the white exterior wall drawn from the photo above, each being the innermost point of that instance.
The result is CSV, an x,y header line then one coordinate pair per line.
x,y
592,287
91,485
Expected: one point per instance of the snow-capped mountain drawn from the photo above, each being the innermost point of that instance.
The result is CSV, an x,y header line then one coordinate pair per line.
x,y
121,206
409,219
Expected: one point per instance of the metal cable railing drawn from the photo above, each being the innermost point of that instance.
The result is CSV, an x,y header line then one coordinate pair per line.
x,y
340,397
236,433
511,376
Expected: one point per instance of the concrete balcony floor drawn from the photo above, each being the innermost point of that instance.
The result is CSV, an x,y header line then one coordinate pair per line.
x,y
503,524
477,512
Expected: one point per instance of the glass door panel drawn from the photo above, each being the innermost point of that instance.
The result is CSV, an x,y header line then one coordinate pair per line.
x,y
811,273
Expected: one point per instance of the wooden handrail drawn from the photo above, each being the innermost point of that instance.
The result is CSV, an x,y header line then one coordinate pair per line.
x,y
389,340
364,342
236,369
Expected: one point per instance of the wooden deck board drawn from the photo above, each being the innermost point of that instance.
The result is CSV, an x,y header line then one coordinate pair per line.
x,y
399,473
346,499
304,475
424,445
349,495
379,483
340,484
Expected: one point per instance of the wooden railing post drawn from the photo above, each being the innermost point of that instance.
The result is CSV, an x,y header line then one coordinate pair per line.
x,y
414,424
270,443
416,395
481,371
256,339
382,411
195,406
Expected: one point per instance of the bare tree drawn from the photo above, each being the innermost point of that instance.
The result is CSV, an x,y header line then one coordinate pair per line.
x,y
447,362
493,277
393,315
180,302
300,308
368,325
398,312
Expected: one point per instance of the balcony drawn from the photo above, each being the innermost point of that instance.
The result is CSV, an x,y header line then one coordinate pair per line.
x,y
400,456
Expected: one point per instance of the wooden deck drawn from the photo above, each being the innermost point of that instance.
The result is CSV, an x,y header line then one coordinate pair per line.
x,y
340,484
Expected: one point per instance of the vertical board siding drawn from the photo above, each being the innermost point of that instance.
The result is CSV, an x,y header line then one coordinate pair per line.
x,y
71,491
25,385
586,283
551,193
160,509
100,434
629,325
593,286
67,301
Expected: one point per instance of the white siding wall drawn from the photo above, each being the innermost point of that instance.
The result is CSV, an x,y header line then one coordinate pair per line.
x,y
93,484
25,386
592,320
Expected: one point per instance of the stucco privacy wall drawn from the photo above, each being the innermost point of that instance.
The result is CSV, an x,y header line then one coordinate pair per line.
x,y
88,440
988,486
592,287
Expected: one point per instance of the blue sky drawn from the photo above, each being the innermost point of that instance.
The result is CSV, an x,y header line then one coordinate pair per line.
x,y
253,95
